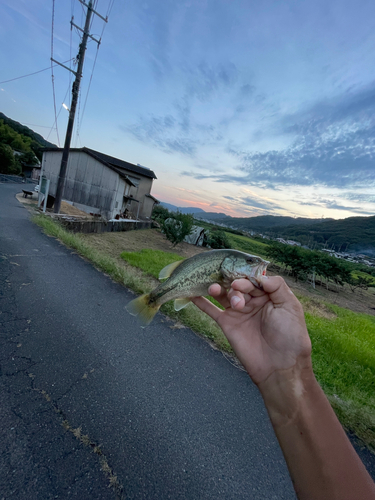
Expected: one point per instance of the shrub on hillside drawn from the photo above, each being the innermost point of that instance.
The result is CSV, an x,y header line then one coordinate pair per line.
x,y
302,263
177,227
160,213
218,239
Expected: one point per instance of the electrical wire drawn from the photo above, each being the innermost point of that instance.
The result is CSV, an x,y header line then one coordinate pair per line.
x,y
58,114
31,74
110,6
52,75
34,125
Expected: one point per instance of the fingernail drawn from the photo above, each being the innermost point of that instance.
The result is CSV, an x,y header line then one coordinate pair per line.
x,y
234,301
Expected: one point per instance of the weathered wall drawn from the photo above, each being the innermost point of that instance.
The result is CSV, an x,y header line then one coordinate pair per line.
x,y
139,193
89,185
148,206
95,188
102,227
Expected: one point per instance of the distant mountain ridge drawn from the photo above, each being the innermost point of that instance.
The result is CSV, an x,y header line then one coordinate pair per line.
x,y
183,210
353,234
22,129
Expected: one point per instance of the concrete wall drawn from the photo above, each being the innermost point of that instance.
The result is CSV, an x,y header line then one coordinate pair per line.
x,y
102,227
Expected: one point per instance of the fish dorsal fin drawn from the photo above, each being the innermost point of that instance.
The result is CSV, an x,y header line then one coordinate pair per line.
x,y
168,270
181,303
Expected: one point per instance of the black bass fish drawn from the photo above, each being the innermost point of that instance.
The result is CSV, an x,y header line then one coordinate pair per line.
x,y
192,278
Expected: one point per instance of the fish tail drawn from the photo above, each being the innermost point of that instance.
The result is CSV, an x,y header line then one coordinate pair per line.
x,y
142,308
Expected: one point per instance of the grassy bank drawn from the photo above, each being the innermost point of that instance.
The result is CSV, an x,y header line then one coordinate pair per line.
x,y
343,341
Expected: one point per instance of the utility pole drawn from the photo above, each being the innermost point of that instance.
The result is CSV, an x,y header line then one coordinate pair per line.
x,y
75,93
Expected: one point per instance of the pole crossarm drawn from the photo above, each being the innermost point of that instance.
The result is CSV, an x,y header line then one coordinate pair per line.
x,y
88,34
63,65
105,19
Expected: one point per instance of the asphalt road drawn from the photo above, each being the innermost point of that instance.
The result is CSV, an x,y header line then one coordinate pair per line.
x,y
90,400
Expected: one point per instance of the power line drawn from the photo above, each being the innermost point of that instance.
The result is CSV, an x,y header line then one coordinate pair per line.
x,y
110,6
52,75
58,114
34,125
30,74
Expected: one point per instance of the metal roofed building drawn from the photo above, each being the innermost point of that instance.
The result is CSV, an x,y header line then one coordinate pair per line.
x,y
101,184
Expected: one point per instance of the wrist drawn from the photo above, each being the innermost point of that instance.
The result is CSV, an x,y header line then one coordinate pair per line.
x,y
285,391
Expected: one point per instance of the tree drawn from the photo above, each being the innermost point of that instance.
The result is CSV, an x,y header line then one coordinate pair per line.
x,y
160,213
177,227
359,282
28,159
8,163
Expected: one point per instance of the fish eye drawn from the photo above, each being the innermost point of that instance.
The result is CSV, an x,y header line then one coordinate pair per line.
x,y
250,259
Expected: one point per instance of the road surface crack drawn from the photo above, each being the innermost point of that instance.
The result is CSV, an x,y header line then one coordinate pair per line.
x,y
85,440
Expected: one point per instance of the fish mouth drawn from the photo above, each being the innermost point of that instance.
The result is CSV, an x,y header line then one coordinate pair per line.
x,y
257,273
263,268
260,269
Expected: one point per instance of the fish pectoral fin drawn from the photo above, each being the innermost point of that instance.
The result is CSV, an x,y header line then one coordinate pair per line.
x,y
168,270
181,303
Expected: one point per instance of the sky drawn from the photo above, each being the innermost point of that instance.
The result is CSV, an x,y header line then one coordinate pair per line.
x,y
243,107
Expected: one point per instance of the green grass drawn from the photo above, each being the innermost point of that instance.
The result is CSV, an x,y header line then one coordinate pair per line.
x,y
100,260
343,343
150,261
344,364
247,245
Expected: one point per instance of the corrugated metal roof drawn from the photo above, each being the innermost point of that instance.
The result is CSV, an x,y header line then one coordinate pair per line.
x,y
115,163
121,164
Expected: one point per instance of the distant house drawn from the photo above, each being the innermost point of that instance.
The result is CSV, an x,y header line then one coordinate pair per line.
x,y
32,170
100,184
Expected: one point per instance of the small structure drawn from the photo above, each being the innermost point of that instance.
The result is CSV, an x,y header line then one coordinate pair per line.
x,y
100,184
198,236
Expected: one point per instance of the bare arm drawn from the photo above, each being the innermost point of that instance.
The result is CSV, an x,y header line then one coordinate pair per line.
x,y
267,330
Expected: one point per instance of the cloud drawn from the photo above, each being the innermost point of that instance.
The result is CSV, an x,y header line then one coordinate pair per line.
x,y
360,197
160,132
254,202
334,205
230,179
334,146
247,90
206,80
180,130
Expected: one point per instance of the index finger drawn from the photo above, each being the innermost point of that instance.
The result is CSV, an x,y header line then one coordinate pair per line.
x,y
220,294
277,289
245,286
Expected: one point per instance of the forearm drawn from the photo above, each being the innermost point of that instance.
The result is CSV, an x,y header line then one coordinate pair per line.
x,y
320,458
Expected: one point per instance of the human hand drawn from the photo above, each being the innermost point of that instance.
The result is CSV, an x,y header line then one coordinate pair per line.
x,y
266,328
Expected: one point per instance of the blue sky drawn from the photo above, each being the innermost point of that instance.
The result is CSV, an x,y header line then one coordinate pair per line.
x,y
243,107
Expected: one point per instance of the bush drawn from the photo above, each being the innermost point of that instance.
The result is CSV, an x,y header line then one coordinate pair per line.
x,y
218,239
177,227
160,213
